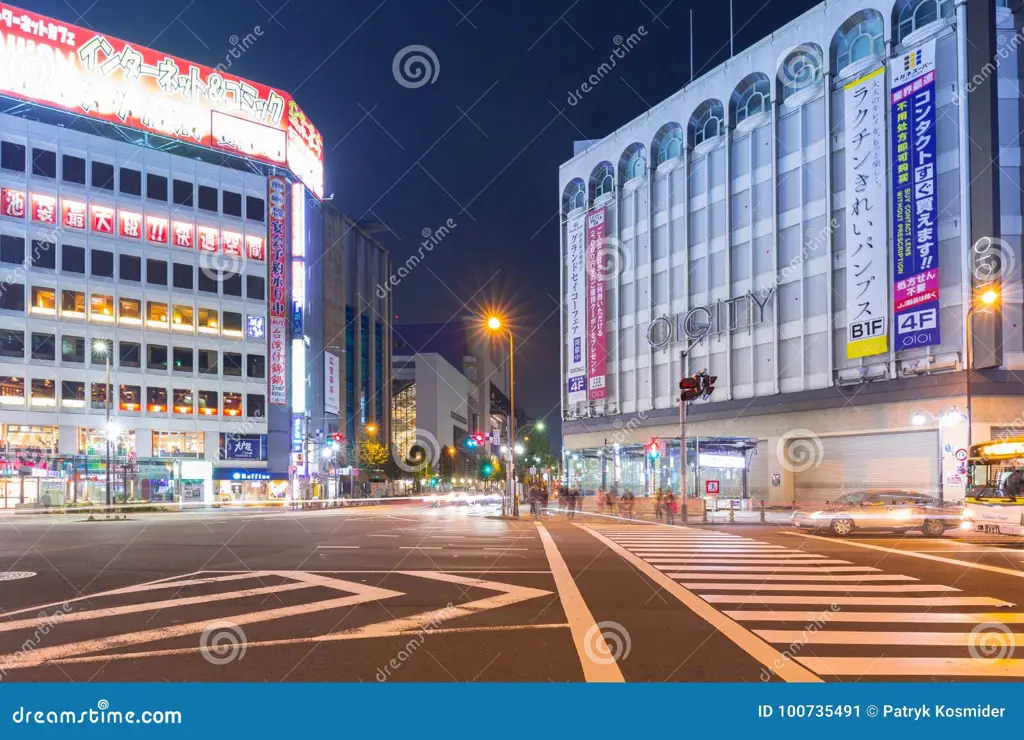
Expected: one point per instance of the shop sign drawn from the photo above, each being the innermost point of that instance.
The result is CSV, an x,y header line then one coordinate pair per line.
x,y
247,447
298,432
743,312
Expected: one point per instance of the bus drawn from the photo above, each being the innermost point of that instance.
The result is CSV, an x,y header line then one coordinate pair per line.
x,y
995,495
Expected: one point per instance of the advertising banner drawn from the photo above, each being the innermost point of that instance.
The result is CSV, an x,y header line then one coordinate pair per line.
x,y
332,383
915,231
576,307
596,349
244,447
78,70
278,380
867,280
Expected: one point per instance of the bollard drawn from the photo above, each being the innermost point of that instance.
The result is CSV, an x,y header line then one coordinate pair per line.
x,y
762,511
705,510
732,514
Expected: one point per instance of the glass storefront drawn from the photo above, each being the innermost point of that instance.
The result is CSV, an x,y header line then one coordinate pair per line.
x,y
94,442
250,488
722,461
20,438
43,488
178,444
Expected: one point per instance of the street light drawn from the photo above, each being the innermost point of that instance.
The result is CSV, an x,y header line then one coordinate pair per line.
x,y
371,428
495,324
984,301
99,346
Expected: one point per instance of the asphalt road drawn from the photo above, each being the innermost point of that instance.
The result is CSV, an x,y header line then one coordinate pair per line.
x,y
412,593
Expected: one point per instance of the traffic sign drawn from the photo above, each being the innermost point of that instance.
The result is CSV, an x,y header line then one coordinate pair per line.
x,y
961,454
711,487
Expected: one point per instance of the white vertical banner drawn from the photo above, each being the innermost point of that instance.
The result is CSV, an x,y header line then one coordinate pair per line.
x,y
332,384
576,309
867,251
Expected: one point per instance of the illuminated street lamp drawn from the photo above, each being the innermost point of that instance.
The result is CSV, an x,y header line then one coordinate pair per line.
x,y
984,301
495,324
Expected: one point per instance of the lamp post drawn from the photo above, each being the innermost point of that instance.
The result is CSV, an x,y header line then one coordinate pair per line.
x,y
985,300
495,324
100,346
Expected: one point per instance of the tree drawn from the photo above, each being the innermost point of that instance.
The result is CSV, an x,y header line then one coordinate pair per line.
x,y
372,453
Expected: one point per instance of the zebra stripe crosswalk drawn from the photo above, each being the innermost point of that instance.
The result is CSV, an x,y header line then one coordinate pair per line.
x,y
864,622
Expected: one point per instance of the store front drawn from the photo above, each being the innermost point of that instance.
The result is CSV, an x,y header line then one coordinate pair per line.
x,y
31,487
28,440
249,487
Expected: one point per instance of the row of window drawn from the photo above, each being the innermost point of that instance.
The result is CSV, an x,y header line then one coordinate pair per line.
x,y
102,262
42,394
43,347
129,181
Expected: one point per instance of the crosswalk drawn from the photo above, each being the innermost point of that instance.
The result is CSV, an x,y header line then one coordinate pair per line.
x,y
839,620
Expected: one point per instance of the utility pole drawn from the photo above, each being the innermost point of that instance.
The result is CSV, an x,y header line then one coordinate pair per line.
x,y
683,490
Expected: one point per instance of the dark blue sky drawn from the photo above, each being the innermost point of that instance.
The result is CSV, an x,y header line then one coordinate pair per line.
x,y
480,145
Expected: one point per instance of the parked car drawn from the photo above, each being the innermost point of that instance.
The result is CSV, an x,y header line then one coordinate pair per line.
x,y
888,509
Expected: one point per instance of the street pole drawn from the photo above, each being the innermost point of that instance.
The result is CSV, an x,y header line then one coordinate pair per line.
x,y
969,356
107,429
682,443
512,424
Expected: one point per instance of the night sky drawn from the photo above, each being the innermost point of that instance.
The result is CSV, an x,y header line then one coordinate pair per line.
x,y
480,144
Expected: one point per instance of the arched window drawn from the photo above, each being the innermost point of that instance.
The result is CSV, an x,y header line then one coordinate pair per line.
x,y
910,15
860,37
752,96
667,144
707,122
574,196
800,70
602,180
632,163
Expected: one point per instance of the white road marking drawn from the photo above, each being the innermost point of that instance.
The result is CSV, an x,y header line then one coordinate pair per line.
x,y
872,637
586,634
419,548
337,547
753,645
751,615
506,549
752,561
857,600
815,568
921,555
815,587
382,535
989,667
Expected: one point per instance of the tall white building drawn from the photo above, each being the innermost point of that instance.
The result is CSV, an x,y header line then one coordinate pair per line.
x,y
154,225
812,221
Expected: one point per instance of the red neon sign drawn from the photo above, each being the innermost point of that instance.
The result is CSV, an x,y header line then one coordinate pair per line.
x,y
156,229
130,224
207,239
44,208
13,202
182,234
72,214
231,242
254,248
103,219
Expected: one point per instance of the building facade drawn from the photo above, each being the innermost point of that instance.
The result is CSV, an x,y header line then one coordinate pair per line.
x,y
356,328
155,238
814,223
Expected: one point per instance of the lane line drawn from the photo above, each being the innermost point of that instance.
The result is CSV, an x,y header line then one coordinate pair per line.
x,y
753,645
337,547
921,555
698,565
988,667
931,617
858,600
740,561
816,587
417,547
870,637
596,658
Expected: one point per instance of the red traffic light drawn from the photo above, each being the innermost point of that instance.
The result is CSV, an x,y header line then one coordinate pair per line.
x,y
338,437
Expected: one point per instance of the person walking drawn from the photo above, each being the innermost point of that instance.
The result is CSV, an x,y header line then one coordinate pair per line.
x,y
628,499
659,501
611,500
670,508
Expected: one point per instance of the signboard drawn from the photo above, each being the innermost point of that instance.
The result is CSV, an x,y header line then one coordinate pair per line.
x,y
711,487
867,286
256,327
742,312
575,307
915,271
243,447
596,350
278,377
90,74
298,432
332,383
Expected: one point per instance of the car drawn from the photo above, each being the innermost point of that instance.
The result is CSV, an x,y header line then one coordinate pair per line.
x,y
885,509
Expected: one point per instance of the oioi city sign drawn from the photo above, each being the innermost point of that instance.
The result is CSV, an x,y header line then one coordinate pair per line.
x,y
743,312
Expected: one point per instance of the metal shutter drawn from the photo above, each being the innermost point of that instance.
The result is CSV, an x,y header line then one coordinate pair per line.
x,y
757,475
999,433
827,467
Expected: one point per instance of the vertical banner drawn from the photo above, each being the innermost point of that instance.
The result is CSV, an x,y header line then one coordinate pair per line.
x,y
278,376
867,256
576,306
915,269
596,350
332,384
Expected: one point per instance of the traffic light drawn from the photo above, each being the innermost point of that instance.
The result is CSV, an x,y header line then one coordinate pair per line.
x,y
653,449
486,469
477,439
701,385
690,388
707,383
338,437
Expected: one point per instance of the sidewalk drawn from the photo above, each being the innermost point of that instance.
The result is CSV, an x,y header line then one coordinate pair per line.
x,y
643,510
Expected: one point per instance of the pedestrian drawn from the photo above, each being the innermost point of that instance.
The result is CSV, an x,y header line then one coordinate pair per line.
x,y
534,500
580,497
543,498
570,503
628,499
670,508
611,500
659,500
